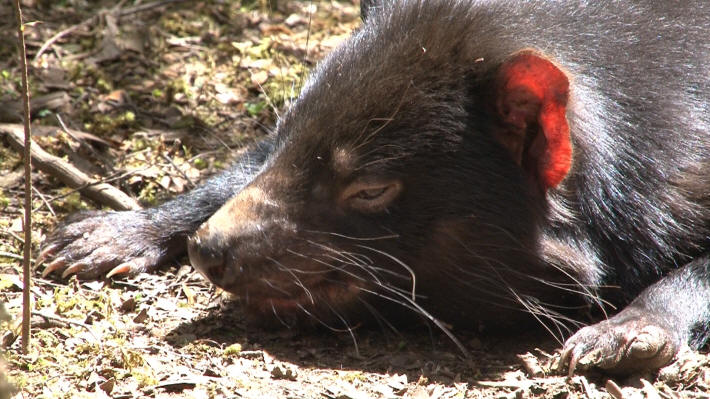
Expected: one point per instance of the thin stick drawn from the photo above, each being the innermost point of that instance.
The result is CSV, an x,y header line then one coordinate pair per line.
x,y
10,255
69,322
44,200
147,6
91,20
27,246
59,35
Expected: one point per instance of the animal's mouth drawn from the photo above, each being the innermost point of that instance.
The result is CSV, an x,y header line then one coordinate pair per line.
x,y
265,299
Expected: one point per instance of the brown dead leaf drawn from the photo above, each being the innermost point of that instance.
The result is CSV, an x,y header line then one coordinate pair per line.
x,y
128,305
54,78
419,393
107,386
117,96
270,29
11,179
259,78
141,317
295,20
283,373
189,293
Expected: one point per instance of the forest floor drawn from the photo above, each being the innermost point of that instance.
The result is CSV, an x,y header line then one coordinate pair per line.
x,y
153,97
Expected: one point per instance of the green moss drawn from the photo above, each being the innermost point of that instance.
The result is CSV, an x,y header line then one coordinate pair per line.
x,y
103,85
87,348
72,200
232,350
176,86
65,300
106,124
355,376
127,117
185,122
4,201
149,193
253,109
199,163
5,282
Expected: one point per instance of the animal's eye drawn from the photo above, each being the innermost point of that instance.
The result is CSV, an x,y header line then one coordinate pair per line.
x,y
371,196
372,193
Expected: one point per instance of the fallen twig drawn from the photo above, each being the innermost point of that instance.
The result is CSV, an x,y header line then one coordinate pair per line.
x,y
588,391
93,20
44,201
11,110
531,365
15,236
61,33
102,193
650,391
614,390
10,255
146,6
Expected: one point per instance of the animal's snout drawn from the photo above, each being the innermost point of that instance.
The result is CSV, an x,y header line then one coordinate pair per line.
x,y
206,257
236,240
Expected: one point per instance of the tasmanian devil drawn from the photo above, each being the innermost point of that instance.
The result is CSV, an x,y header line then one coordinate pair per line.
x,y
473,162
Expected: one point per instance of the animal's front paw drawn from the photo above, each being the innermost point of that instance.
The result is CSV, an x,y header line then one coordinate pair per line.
x,y
102,244
624,344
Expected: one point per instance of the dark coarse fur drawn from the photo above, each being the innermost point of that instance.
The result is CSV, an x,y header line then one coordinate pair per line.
x,y
634,204
471,237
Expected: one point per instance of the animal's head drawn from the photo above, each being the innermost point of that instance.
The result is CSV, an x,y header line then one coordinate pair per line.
x,y
412,169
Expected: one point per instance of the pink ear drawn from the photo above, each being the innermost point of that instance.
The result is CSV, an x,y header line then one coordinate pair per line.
x,y
532,101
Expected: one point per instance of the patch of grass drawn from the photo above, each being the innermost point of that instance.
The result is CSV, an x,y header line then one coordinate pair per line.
x,y
103,124
255,108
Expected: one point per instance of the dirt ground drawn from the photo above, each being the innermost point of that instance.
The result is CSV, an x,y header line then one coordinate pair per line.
x,y
161,94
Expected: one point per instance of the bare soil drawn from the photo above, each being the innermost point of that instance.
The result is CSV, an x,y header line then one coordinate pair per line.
x,y
165,93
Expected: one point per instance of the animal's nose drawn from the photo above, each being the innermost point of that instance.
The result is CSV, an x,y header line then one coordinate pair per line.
x,y
205,258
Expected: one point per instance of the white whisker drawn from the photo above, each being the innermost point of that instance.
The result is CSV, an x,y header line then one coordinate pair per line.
x,y
399,262
385,237
276,314
298,281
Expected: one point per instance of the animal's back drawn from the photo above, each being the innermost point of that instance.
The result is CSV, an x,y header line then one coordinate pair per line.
x,y
637,195
635,200
640,122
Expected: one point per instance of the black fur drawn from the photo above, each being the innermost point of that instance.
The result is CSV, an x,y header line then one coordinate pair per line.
x,y
409,98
